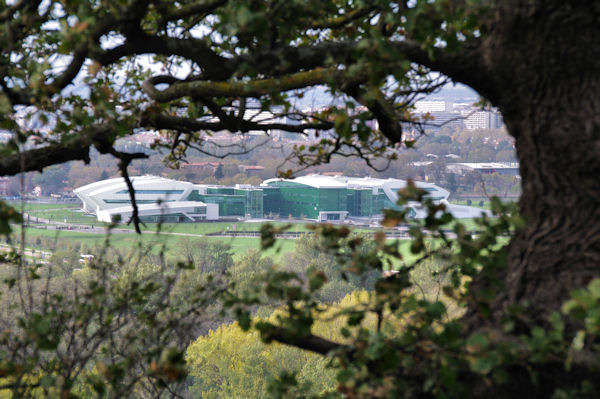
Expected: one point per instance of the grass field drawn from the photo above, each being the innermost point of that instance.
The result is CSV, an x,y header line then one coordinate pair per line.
x,y
163,241
216,227
61,215
156,242
75,217
34,206
170,242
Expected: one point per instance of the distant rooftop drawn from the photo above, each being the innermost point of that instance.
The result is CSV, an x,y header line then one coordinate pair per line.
x,y
488,165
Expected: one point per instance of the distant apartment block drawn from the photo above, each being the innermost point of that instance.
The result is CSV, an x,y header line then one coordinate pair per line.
x,y
438,115
482,120
445,120
433,106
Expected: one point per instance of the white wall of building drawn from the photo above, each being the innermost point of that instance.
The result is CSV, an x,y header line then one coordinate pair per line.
x,y
433,106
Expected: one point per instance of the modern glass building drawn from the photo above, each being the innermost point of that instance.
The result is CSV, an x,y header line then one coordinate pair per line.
x,y
336,197
238,201
313,197
285,198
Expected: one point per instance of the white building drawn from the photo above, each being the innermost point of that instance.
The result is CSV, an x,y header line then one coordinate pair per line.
x,y
167,212
502,168
482,120
158,199
445,120
335,198
425,106
391,186
113,193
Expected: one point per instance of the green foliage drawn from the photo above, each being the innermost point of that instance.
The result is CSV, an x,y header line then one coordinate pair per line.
x,y
7,215
314,258
248,270
206,256
107,328
405,339
231,363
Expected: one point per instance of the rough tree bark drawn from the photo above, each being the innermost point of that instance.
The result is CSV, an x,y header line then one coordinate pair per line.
x,y
542,60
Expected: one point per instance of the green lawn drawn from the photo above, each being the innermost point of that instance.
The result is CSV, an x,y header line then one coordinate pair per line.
x,y
75,216
127,242
71,215
34,206
156,242
216,227
240,245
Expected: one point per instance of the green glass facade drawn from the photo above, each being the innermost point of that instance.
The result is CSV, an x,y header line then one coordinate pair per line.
x,y
285,198
360,202
232,202
254,201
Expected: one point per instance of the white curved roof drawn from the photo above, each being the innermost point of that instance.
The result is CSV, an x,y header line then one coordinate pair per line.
x,y
389,186
316,181
112,193
118,183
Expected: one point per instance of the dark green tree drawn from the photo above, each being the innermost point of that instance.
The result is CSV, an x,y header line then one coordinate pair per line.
x,y
53,180
219,171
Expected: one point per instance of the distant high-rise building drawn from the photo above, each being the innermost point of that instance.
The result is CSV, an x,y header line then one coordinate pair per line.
x,y
483,119
425,106
476,120
445,120
496,121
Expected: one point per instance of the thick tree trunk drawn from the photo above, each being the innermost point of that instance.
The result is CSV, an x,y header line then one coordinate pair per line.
x,y
544,60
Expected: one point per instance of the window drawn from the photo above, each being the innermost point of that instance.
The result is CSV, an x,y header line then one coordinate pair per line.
x,y
152,192
126,201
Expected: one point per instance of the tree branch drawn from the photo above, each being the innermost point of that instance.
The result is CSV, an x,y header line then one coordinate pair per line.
x,y
253,88
464,65
214,66
383,110
163,121
123,164
17,6
200,7
310,342
335,23
75,148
